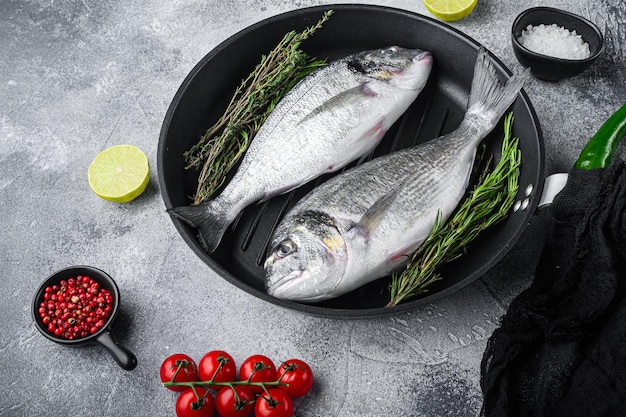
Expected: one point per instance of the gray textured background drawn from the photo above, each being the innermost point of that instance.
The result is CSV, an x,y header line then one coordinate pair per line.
x,y
79,76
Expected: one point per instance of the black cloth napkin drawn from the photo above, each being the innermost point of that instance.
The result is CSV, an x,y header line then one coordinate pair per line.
x,y
561,347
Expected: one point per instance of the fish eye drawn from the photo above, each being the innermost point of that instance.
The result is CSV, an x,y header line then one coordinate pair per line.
x,y
389,51
285,248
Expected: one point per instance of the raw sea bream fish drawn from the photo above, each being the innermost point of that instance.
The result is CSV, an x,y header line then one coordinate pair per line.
x,y
364,223
332,117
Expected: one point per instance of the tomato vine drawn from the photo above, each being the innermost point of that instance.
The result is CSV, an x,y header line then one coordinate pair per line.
x,y
263,388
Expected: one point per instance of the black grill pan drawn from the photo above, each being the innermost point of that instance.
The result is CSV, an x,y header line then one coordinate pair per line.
x,y
439,109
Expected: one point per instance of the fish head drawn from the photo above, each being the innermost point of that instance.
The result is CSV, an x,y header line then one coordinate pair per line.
x,y
307,259
404,68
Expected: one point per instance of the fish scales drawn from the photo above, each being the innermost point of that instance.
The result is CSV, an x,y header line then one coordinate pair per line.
x,y
332,117
301,134
364,223
430,178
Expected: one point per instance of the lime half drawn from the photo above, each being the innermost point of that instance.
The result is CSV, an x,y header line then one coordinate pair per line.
x,y
450,10
119,173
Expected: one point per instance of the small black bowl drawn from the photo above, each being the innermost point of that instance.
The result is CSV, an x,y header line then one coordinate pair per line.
x,y
124,357
550,68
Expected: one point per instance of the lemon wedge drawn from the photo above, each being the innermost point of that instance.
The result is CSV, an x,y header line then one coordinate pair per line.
x,y
119,173
450,10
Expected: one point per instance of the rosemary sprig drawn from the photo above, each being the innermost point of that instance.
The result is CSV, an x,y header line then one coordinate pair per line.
x,y
488,203
222,145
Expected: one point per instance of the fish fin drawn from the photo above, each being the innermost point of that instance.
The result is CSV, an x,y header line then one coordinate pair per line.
x,y
211,224
398,257
377,131
489,99
284,190
339,100
371,218
365,158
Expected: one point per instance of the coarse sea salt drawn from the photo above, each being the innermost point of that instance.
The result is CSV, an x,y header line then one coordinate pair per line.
x,y
555,41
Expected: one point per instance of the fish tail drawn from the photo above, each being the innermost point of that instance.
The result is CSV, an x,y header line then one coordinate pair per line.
x,y
489,99
208,218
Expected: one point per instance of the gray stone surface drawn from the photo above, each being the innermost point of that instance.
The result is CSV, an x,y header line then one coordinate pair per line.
x,y
79,76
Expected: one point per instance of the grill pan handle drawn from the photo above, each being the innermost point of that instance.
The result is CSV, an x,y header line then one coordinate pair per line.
x,y
552,185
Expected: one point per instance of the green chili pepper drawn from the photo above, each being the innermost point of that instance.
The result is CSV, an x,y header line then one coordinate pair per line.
x,y
600,148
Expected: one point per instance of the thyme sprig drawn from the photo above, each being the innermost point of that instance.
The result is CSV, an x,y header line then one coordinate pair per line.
x,y
487,204
224,143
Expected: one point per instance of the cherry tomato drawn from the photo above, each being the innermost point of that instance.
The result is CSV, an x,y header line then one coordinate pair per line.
x,y
297,375
188,404
170,369
277,404
218,365
230,405
257,368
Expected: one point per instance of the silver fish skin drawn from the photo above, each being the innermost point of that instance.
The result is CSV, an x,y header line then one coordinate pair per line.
x,y
361,225
332,117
